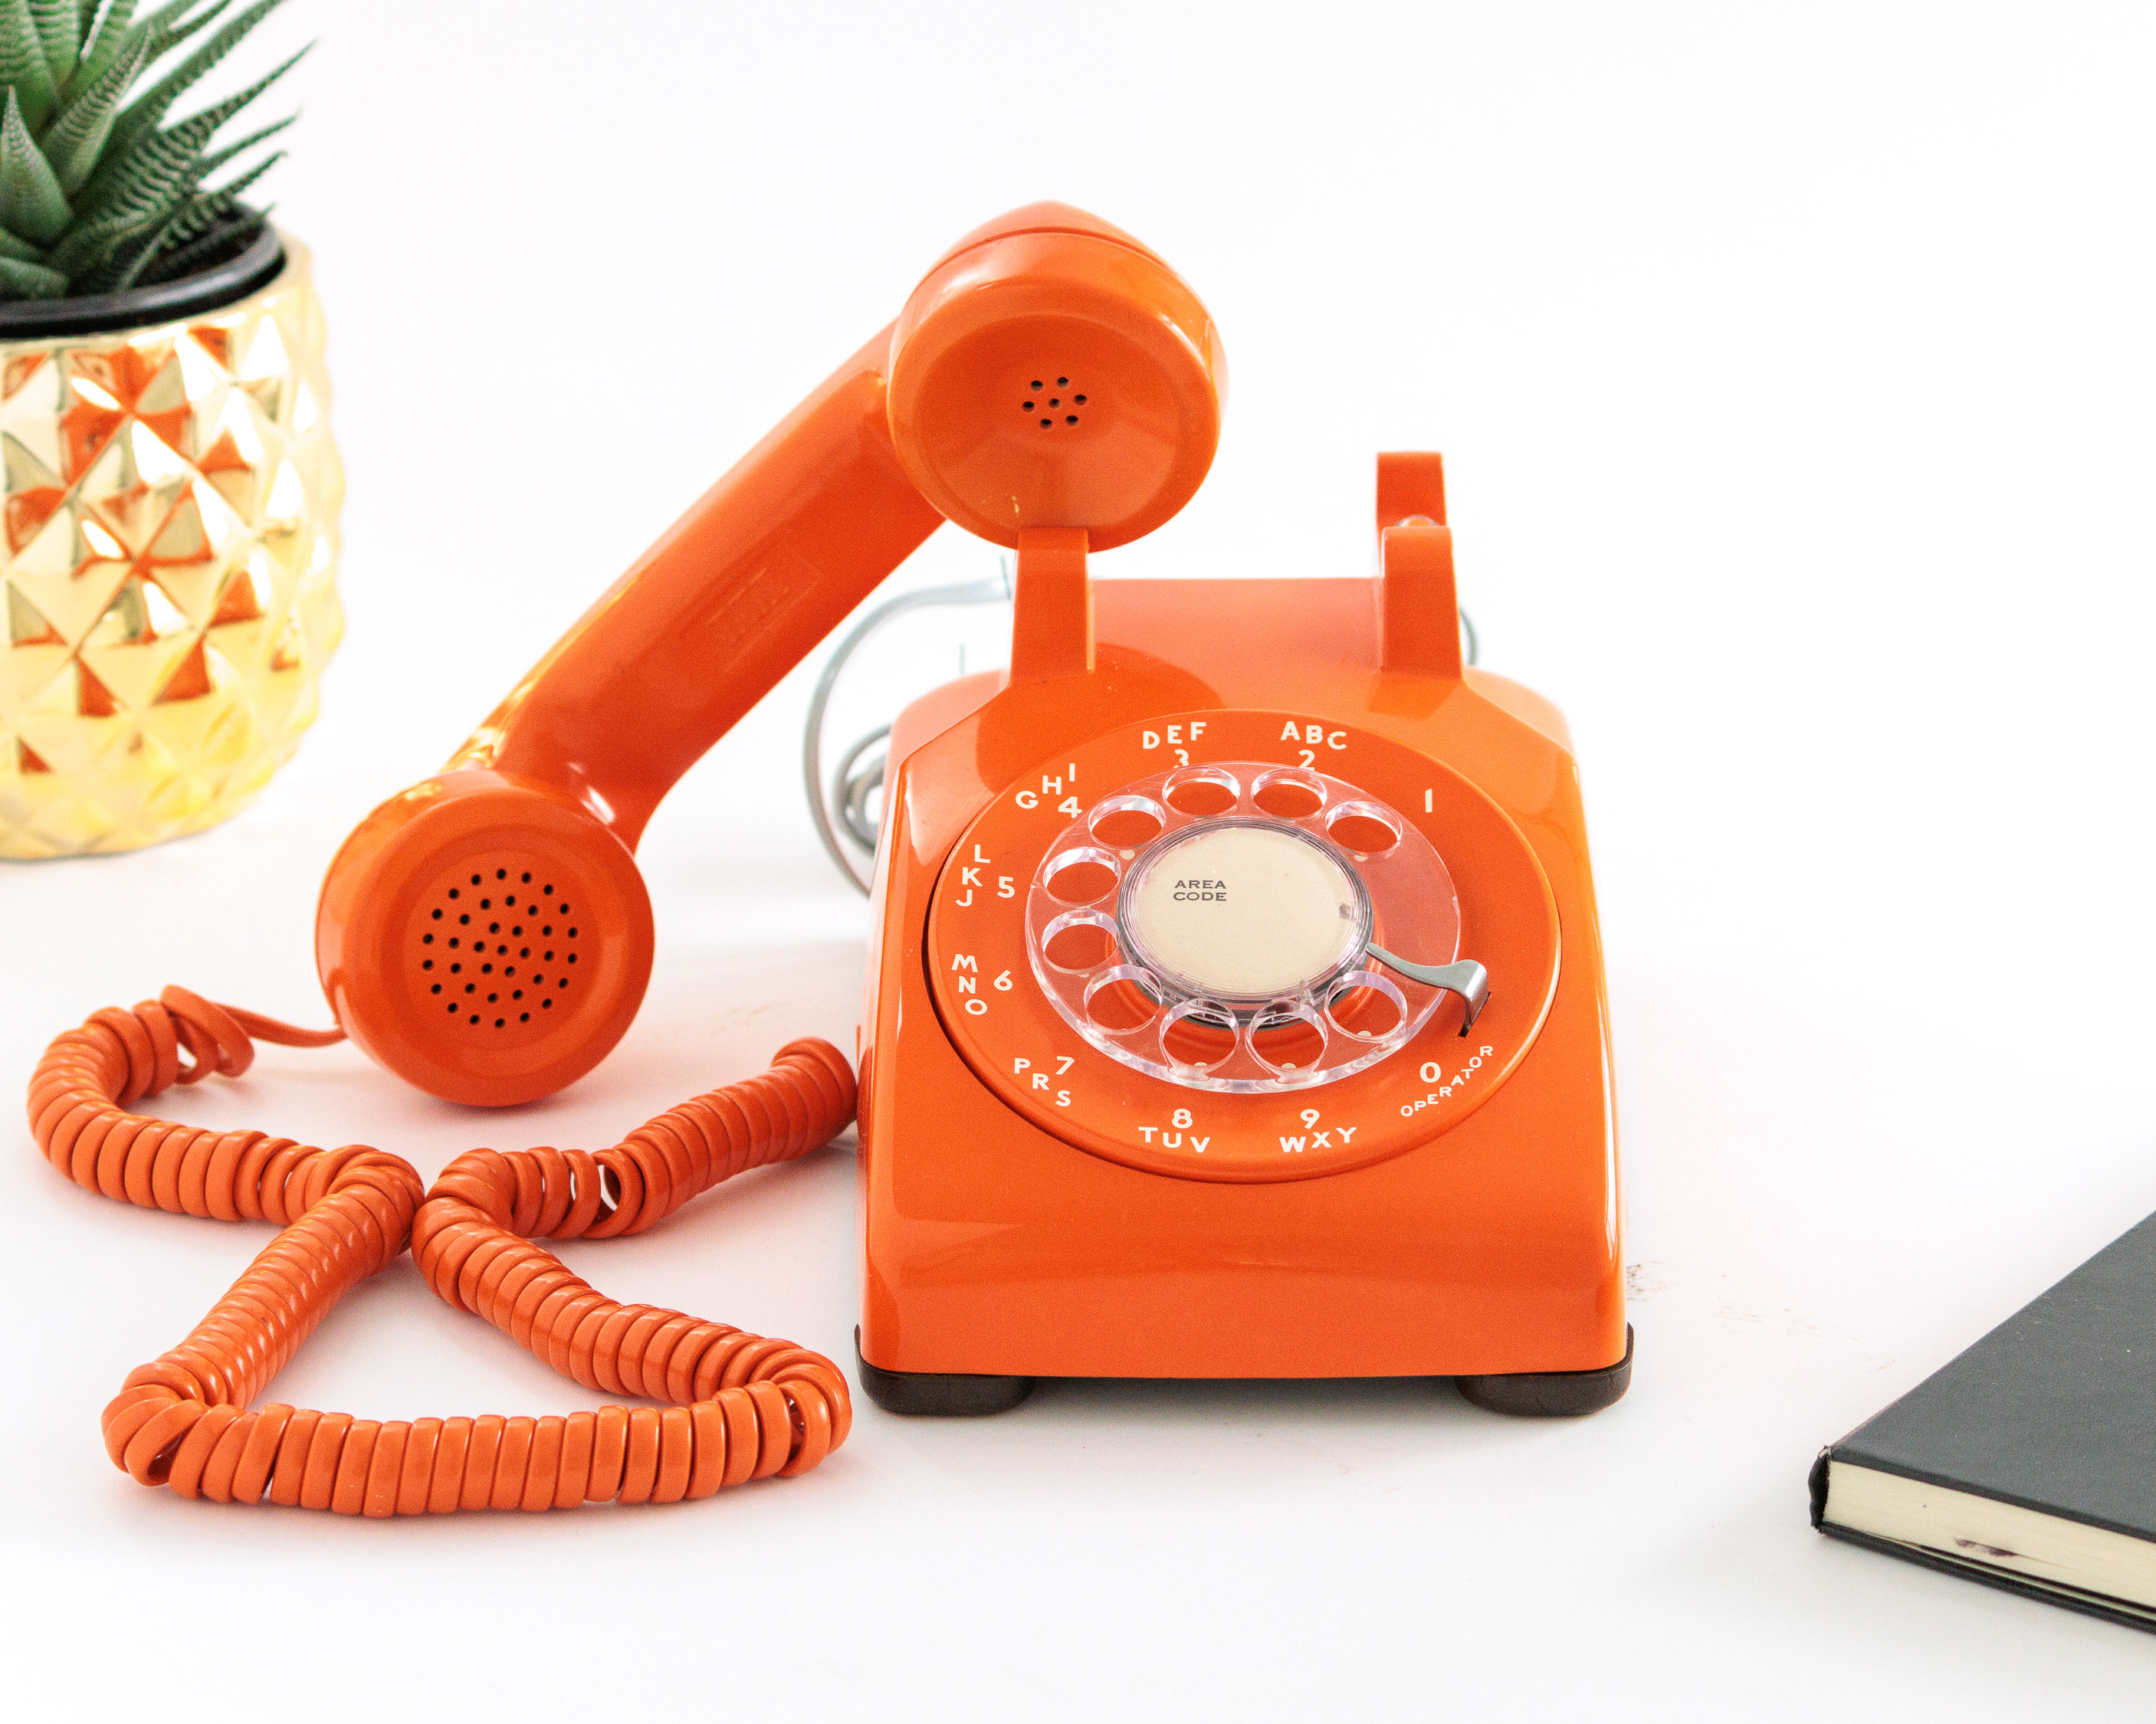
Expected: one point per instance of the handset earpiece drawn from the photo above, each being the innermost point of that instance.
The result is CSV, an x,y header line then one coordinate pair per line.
x,y
1051,372
485,934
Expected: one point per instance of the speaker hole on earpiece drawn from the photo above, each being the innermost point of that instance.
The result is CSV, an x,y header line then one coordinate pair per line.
x,y
1070,418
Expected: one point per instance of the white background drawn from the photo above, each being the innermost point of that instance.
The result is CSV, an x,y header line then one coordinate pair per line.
x,y
1794,372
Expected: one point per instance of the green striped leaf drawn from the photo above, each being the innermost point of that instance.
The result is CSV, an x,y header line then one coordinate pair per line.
x,y
31,202
216,159
75,140
88,242
23,66
19,280
163,168
171,25
21,250
173,263
150,107
162,159
114,34
60,31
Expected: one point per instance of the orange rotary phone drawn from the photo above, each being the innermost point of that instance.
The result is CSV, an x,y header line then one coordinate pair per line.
x,y
1236,1007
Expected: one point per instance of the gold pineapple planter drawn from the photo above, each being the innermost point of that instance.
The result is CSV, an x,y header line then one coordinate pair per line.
x,y
168,556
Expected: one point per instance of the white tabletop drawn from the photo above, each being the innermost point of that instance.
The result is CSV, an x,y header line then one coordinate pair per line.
x,y
1795,375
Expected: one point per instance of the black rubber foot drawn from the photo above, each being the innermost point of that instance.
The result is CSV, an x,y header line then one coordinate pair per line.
x,y
932,1394
1553,1394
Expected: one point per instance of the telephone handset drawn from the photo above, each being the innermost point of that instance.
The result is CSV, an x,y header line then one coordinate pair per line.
x,y
1050,372
1236,1007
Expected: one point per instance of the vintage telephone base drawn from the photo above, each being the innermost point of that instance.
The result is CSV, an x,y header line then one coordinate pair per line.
x,y
938,1394
1551,1394
1153,1227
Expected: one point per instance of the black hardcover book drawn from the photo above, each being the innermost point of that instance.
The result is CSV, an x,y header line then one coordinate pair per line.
x,y
2029,1462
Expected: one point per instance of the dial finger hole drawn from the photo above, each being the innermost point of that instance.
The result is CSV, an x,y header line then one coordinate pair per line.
x,y
1200,791
1366,1005
1362,828
1199,1035
1289,794
1287,1037
1127,823
1079,940
1122,999
1083,875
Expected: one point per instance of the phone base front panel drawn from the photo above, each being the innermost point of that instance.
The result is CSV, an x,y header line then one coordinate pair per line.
x,y
1135,1102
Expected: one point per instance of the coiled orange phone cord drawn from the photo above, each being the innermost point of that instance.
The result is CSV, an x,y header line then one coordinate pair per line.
x,y
742,1407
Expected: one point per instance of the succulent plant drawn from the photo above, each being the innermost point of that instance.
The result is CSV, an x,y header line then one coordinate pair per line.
x,y
95,196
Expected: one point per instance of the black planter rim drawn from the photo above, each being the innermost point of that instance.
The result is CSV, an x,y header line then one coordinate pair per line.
x,y
211,290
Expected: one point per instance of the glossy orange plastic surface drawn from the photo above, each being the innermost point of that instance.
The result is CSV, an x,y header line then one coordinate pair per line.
x,y
1049,372
740,1407
1000,1020
1469,1225
1042,1198
1052,373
